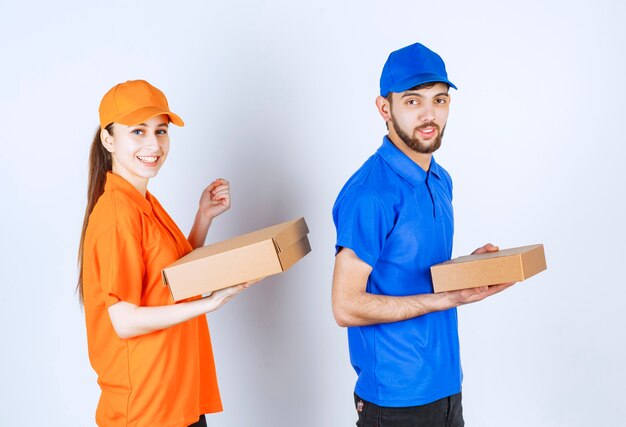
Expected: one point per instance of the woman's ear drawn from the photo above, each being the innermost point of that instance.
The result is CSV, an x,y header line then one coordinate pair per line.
x,y
107,140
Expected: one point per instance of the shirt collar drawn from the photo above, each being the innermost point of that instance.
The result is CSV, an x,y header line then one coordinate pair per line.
x,y
117,183
404,166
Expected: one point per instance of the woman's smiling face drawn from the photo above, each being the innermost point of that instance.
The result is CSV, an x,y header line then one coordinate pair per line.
x,y
138,151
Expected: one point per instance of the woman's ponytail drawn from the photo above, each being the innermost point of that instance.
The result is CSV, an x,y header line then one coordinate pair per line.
x,y
99,165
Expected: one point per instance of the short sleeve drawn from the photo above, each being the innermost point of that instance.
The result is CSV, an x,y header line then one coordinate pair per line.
x,y
361,223
118,257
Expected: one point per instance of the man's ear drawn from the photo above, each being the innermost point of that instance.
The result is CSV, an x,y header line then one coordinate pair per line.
x,y
107,140
384,108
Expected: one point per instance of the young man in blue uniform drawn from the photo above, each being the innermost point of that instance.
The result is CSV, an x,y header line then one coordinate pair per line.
x,y
394,220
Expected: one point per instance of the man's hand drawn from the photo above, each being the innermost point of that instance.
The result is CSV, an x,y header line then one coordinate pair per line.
x,y
452,299
486,248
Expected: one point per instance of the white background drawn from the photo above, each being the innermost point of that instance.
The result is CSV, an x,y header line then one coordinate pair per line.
x,y
278,97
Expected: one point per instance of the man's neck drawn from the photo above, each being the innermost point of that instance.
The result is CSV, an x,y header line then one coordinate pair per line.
x,y
421,160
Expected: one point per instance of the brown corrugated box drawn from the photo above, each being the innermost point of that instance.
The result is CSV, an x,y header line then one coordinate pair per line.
x,y
471,271
241,259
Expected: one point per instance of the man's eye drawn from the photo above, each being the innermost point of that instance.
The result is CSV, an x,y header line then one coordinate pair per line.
x,y
161,132
412,102
137,131
441,101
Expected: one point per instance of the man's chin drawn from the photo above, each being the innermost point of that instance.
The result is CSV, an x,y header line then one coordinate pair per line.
x,y
424,148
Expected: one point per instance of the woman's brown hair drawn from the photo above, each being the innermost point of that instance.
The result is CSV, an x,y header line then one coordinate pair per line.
x,y
99,165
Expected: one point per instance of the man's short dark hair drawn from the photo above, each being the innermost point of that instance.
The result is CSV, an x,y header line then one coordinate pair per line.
x,y
418,87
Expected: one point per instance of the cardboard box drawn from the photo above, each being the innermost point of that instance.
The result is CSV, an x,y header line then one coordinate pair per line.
x,y
471,271
247,257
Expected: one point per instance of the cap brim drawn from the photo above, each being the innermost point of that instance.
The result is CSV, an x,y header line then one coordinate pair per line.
x,y
146,113
413,81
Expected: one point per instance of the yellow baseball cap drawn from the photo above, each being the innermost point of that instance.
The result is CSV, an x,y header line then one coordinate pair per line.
x,y
133,102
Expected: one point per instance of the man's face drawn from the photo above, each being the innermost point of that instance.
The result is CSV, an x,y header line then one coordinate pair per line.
x,y
418,117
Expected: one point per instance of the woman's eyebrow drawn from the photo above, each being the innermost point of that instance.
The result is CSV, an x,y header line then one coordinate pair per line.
x,y
143,124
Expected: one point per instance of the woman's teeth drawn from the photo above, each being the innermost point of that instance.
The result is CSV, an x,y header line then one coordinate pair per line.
x,y
148,159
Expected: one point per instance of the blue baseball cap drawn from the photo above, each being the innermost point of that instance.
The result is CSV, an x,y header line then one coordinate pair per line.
x,y
411,66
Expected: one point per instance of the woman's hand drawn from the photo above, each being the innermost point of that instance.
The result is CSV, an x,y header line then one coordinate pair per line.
x,y
218,298
130,320
215,199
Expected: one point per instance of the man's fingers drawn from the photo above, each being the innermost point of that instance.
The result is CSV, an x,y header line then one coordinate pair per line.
x,y
466,296
502,286
486,248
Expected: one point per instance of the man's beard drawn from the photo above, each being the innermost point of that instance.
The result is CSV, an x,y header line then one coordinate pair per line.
x,y
414,143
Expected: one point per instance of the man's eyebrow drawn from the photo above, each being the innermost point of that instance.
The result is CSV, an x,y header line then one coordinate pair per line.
x,y
410,93
419,95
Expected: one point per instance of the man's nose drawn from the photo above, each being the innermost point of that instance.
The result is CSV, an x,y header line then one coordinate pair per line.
x,y
427,114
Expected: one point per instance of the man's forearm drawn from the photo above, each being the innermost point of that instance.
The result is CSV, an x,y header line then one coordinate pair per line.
x,y
364,309
369,309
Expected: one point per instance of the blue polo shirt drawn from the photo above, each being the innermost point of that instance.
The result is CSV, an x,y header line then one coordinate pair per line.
x,y
398,219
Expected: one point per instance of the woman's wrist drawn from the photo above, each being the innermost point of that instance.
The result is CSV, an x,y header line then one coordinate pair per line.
x,y
203,219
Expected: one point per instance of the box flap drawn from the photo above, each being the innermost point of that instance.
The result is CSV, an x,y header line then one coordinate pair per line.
x,y
293,253
291,233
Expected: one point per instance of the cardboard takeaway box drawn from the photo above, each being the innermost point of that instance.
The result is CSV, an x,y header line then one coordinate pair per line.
x,y
247,257
506,265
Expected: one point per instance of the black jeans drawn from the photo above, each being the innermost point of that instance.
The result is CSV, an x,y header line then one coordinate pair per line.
x,y
446,412
200,423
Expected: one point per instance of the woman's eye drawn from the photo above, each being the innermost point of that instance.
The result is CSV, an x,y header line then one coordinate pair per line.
x,y
161,132
137,131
